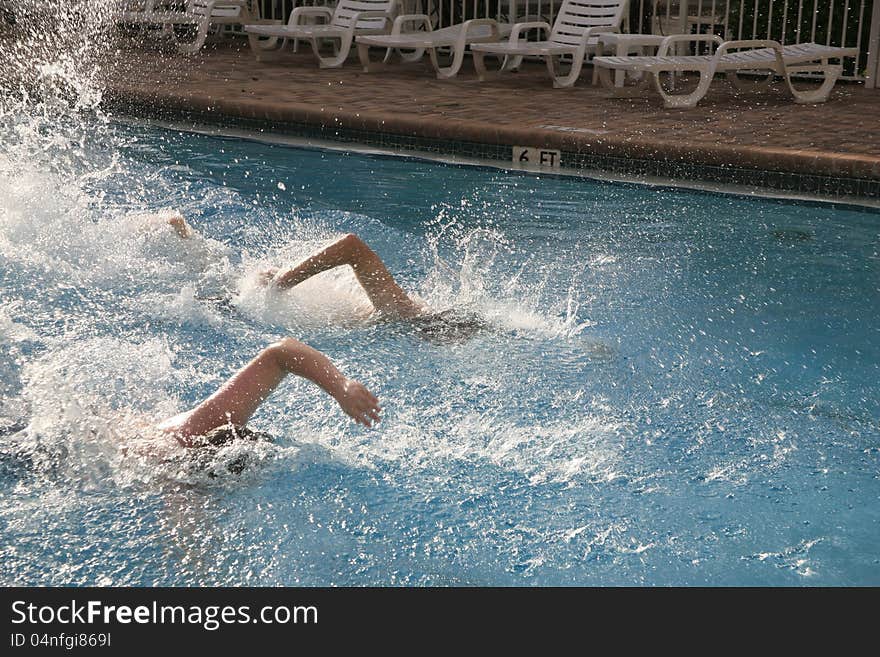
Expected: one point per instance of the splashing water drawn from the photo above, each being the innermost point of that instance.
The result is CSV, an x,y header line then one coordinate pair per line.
x,y
672,390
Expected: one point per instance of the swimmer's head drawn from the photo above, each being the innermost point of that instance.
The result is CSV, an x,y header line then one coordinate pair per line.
x,y
163,219
449,327
221,436
226,434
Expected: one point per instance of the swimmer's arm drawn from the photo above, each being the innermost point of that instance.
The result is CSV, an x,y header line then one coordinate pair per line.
x,y
353,397
178,223
384,292
239,398
343,251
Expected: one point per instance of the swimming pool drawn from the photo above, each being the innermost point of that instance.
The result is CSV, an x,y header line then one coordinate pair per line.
x,y
679,388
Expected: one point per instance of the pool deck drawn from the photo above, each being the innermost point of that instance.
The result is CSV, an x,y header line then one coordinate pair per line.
x,y
835,145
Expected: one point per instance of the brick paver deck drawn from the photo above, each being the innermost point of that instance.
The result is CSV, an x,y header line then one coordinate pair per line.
x,y
763,129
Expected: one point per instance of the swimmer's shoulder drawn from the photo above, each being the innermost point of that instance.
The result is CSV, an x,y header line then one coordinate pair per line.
x,y
175,427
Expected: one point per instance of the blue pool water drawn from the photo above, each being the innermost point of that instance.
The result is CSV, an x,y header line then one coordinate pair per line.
x,y
678,388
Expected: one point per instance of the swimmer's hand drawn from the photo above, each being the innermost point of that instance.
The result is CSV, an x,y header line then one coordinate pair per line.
x,y
178,223
267,276
358,402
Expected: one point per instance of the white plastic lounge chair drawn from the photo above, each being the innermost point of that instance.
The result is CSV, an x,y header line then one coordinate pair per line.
x,y
136,11
753,55
350,18
200,14
573,33
457,37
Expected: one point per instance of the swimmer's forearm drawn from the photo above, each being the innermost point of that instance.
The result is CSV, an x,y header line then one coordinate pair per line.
x,y
302,360
343,251
357,402
383,291
285,280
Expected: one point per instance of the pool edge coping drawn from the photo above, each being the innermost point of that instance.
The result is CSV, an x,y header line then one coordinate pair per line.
x,y
831,175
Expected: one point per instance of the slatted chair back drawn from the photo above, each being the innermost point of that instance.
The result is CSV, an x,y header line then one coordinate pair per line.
x,y
347,9
577,16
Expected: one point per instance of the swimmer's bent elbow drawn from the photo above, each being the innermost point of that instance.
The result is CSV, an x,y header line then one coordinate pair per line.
x,y
352,242
286,352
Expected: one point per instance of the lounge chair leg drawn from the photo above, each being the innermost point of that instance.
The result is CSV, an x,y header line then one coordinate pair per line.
x,y
552,67
263,47
605,79
333,62
507,64
316,48
340,53
685,101
564,81
820,95
339,59
269,43
196,44
272,43
511,62
370,66
364,57
414,56
480,65
610,83
449,71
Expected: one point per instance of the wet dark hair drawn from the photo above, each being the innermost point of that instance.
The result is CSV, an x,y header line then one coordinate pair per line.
x,y
448,326
223,435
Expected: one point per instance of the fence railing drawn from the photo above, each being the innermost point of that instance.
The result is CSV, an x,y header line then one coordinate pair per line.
x,y
872,67
851,23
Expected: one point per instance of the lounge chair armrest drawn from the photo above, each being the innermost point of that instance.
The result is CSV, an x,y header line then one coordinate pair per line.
x,y
200,8
519,28
494,32
591,32
295,15
403,19
362,15
244,9
476,22
749,43
678,38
